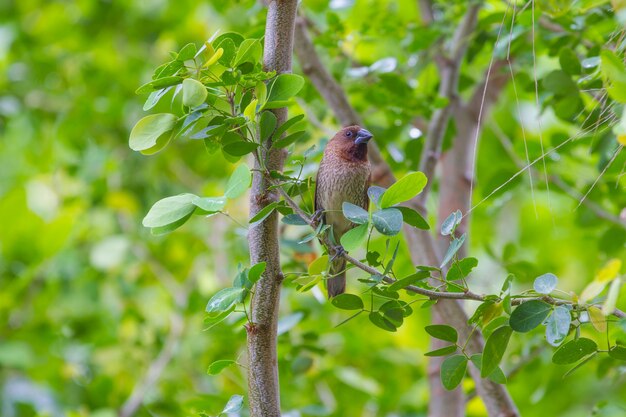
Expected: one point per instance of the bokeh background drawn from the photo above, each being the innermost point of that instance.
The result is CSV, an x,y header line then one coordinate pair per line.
x,y
91,302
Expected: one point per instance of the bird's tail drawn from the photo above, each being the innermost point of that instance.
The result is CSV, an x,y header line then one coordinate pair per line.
x,y
337,284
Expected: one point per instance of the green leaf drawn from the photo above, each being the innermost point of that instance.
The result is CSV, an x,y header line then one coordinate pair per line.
x,y
569,61
218,366
404,189
284,86
348,302
294,220
451,222
224,299
209,205
461,269
388,221
374,193
618,352
288,124
454,247
494,350
263,214
444,351
161,230
159,84
148,130
410,280
559,83
194,92
413,218
256,271
233,405
546,283
170,210
249,51
529,315
354,238
319,265
557,325
611,298
574,350
238,182
452,371
240,148
355,213
187,52
496,376
267,124
378,320
288,140
612,69
443,332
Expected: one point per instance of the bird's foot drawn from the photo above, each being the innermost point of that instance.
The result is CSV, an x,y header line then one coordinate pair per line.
x,y
317,217
337,251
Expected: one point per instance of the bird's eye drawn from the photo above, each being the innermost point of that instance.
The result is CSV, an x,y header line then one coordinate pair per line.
x,y
349,134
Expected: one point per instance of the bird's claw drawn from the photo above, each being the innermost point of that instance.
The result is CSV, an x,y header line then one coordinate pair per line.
x,y
317,217
338,251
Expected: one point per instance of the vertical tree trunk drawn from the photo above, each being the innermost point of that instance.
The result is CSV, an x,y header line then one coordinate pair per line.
x,y
263,384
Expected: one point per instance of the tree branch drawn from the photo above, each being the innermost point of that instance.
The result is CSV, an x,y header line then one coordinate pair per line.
x,y
433,295
264,391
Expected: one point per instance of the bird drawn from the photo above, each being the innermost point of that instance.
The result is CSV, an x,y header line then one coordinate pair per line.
x,y
343,176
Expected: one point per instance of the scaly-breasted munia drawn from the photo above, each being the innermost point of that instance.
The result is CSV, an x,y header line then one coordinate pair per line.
x,y
344,176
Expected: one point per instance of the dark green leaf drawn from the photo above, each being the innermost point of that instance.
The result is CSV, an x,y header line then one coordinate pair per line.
x,y
288,124
574,350
569,61
494,350
378,320
294,220
452,371
445,351
443,332
348,302
256,271
413,218
496,376
461,269
240,148
410,280
263,214
267,125
529,315
288,140
560,83
618,352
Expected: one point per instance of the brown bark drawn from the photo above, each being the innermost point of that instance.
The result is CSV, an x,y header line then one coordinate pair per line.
x,y
264,392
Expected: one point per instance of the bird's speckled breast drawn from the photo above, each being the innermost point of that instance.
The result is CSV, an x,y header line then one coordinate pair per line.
x,y
340,181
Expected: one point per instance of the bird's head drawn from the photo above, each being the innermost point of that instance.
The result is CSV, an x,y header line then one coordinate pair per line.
x,y
354,134
351,143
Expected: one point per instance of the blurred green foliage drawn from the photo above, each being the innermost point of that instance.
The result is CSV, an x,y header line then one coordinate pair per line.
x,y
89,299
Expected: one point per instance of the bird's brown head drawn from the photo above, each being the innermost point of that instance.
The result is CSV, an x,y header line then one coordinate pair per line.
x,y
351,143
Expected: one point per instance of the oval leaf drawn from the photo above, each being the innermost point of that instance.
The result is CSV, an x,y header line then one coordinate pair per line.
x,y
284,86
354,238
388,221
170,210
239,181
404,189
147,130
546,283
223,300
218,366
348,302
494,350
194,92
557,325
452,371
443,332
529,315
355,213
573,351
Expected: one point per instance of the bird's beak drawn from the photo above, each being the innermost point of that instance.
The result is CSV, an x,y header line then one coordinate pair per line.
x,y
362,136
